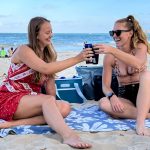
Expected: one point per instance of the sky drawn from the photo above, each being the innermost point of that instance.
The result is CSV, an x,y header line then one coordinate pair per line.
x,y
72,16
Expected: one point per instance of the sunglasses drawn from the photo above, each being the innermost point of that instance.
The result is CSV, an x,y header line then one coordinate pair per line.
x,y
117,32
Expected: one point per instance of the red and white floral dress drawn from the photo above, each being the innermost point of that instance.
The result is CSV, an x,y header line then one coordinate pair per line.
x,y
18,83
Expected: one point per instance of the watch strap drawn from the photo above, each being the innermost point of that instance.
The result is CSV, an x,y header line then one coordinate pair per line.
x,y
110,95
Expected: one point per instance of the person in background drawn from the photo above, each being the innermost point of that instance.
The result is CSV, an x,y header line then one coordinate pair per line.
x,y
3,53
10,51
129,62
32,66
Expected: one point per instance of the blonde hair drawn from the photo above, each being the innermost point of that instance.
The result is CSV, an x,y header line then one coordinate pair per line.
x,y
49,53
138,34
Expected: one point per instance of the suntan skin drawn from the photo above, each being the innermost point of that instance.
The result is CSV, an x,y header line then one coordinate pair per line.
x,y
41,109
132,70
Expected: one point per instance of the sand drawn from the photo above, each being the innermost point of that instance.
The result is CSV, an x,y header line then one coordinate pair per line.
x,y
116,140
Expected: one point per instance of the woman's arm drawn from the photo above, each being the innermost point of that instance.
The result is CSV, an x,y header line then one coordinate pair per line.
x,y
107,73
50,87
116,104
138,61
27,56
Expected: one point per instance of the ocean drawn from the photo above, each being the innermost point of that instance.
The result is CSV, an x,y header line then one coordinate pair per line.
x,y
61,41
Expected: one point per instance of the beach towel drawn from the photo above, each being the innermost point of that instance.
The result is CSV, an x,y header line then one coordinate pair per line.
x,y
83,117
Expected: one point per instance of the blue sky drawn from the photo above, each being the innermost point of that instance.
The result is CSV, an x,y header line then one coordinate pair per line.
x,y
72,16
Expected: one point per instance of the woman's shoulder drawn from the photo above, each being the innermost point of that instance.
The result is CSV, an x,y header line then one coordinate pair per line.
x,y
24,46
21,52
109,59
140,49
141,46
24,49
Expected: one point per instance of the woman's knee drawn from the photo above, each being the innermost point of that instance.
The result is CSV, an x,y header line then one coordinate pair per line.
x,y
64,108
104,103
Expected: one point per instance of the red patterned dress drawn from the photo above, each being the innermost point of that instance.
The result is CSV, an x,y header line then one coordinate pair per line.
x,y
18,83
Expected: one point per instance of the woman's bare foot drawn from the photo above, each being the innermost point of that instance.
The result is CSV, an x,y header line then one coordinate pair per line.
x,y
72,140
142,130
75,142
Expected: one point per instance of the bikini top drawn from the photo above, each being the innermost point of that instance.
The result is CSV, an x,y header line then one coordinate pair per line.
x,y
124,70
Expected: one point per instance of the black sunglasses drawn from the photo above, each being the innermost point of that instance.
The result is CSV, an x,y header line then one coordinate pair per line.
x,y
117,32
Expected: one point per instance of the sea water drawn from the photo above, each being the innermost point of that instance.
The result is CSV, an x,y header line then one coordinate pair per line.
x,y
62,41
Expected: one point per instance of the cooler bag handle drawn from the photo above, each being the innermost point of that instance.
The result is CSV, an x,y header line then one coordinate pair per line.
x,y
76,85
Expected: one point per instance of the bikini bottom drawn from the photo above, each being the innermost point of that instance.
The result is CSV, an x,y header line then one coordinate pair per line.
x,y
129,92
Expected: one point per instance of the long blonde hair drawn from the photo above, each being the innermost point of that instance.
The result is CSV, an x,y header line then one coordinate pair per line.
x,y
138,34
49,53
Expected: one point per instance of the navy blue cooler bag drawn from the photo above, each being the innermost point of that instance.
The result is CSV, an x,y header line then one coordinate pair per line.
x,y
87,73
92,81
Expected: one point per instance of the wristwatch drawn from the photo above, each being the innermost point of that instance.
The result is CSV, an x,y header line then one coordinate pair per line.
x,y
109,95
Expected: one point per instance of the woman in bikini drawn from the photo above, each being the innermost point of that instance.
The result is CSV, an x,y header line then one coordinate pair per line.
x,y
128,60
33,65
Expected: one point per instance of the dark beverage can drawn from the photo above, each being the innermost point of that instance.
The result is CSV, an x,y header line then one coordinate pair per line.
x,y
94,59
86,45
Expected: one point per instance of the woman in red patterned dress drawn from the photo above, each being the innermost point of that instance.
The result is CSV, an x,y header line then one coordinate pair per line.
x,y
33,65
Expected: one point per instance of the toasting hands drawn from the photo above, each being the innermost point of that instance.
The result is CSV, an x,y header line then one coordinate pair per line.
x,y
86,54
103,49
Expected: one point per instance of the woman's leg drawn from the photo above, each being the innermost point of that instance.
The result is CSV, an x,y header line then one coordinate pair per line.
x,y
37,120
64,108
143,103
36,105
129,108
130,111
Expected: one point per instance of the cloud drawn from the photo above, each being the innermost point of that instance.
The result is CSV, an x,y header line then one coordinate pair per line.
x,y
4,16
13,27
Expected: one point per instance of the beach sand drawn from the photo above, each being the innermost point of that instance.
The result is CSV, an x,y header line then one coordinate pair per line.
x,y
116,140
